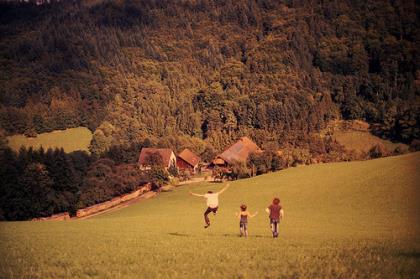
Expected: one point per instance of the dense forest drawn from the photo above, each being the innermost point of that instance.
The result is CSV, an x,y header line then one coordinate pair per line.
x,y
195,74
201,73
39,183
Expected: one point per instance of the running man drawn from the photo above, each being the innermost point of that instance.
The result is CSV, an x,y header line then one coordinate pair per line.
x,y
212,203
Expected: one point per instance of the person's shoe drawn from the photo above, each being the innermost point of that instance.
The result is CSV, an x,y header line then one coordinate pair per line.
x,y
206,226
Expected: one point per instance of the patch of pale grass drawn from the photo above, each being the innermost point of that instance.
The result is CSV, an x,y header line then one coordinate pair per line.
x,y
364,141
70,140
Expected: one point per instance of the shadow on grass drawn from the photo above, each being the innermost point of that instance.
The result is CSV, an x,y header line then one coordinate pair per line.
x,y
232,235
412,254
179,234
249,236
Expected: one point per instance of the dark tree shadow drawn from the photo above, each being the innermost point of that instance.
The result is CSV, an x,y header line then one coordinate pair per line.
x,y
412,254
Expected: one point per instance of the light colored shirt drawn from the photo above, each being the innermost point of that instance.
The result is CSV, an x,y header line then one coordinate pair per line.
x,y
212,200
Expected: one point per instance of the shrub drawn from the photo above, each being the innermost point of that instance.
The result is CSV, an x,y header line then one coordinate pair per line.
x,y
173,170
158,176
174,182
415,145
377,151
184,175
239,170
400,150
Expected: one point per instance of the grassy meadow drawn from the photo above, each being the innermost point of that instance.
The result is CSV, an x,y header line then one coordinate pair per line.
x,y
363,141
342,220
70,140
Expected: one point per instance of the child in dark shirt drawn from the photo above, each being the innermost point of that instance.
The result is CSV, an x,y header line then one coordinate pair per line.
x,y
276,213
243,222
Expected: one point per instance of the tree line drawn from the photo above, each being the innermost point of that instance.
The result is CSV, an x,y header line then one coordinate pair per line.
x,y
39,183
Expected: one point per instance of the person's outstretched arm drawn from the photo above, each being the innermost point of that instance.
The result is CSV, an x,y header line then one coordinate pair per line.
x,y
253,215
197,195
224,189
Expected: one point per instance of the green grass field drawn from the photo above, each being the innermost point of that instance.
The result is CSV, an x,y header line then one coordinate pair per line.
x,y
70,140
364,141
342,220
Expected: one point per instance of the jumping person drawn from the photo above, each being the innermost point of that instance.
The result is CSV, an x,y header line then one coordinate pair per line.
x,y
276,214
212,203
243,222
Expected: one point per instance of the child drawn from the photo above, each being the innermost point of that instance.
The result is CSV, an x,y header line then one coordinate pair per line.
x,y
276,214
243,223
212,203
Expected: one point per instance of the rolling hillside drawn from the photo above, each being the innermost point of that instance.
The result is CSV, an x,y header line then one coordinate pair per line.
x,y
357,219
209,71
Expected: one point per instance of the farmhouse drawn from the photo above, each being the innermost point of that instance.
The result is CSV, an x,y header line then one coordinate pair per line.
x,y
238,152
148,156
188,161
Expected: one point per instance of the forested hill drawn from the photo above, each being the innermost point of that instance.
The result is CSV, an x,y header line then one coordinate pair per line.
x,y
203,72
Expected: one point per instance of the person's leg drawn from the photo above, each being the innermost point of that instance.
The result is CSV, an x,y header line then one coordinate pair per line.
x,y
206,217
246,229
241,229
276,228
272,226
215,210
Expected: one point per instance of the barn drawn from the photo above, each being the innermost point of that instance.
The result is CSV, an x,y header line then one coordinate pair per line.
x,y
188,161
238,152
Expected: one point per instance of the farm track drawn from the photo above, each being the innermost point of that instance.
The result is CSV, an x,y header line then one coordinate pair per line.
x,y
137,200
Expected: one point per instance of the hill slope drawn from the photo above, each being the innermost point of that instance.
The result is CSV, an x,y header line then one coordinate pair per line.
x,y
208,69
345,219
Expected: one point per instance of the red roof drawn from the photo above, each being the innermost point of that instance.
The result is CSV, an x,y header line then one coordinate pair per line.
x,y
165,153
189,157
239,151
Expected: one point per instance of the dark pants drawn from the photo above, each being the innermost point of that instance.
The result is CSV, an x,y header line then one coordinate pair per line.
x,y
206,217
243,228
275,227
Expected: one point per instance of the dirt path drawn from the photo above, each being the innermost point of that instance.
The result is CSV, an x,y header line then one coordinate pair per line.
x,y
118,207
138,199
196,180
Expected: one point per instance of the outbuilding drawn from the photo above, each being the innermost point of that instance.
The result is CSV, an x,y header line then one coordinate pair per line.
x,y
188,161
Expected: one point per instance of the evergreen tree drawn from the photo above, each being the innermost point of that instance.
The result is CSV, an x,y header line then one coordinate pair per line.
x,y
36,195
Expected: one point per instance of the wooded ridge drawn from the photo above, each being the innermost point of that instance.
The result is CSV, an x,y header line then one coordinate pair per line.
x,y
202,73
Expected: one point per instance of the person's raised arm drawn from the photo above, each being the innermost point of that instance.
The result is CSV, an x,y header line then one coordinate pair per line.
x,y
197,195
224,189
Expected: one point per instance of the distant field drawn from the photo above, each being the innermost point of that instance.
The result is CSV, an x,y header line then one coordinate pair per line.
x,y
342,220
364,141
70,139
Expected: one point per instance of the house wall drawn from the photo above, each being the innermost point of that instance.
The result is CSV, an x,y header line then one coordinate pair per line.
x,y
182,165
172,160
